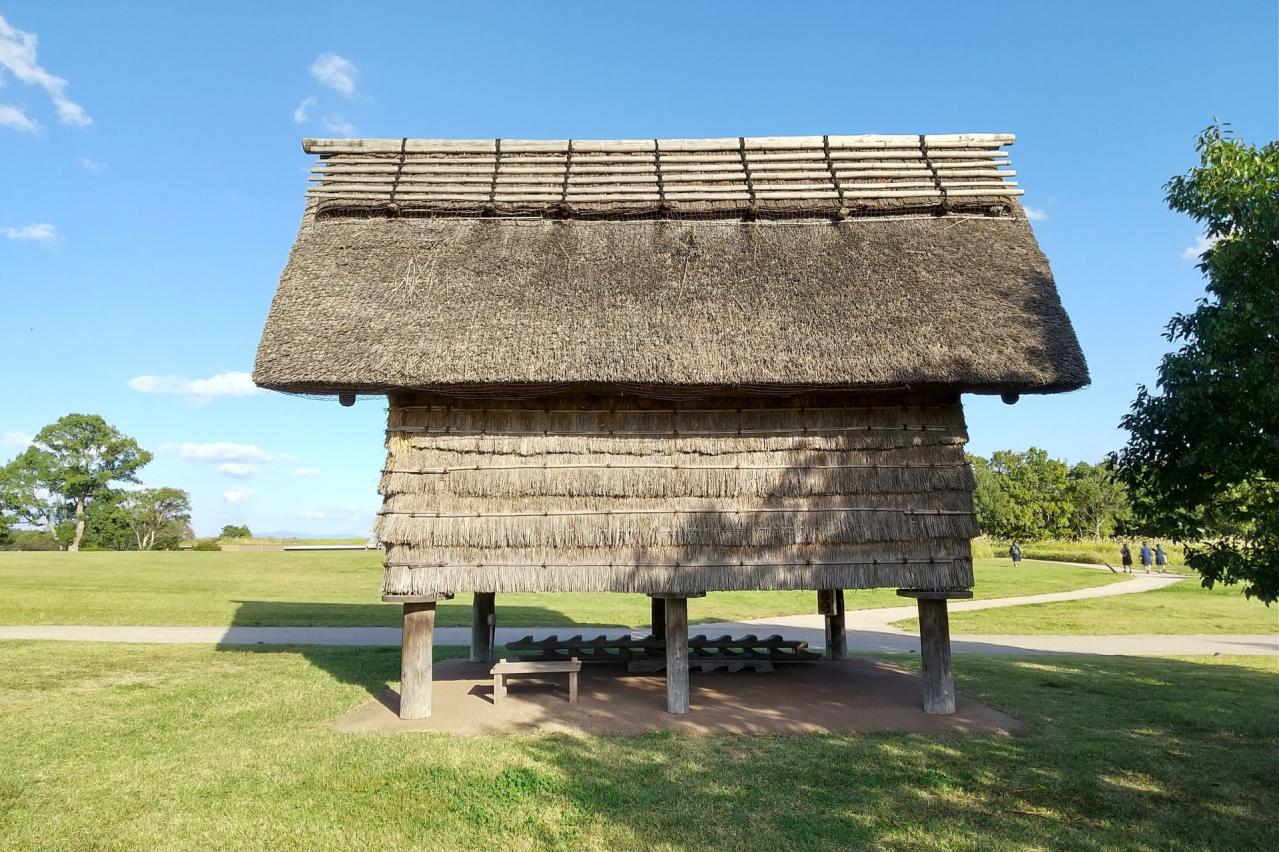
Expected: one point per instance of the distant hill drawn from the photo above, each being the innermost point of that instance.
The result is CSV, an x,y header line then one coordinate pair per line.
x,y
304,535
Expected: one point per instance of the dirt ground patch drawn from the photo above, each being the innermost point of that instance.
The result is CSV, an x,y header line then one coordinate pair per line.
x,y
799,698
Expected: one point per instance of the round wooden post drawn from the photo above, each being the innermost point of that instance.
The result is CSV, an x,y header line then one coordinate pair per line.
x,y
676,655
415,660
934,649
657,607
483,619
836,634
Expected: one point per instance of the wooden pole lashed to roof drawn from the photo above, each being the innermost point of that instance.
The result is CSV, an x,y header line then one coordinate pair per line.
x,y
598,146
743,175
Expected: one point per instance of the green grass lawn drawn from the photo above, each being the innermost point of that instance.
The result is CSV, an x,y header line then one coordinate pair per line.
x,y
1185,607
343,588
175,747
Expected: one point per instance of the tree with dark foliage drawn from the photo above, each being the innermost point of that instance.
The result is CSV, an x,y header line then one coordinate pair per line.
x,y
1202,460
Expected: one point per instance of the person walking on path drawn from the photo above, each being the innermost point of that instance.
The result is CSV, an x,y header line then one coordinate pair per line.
x,y
1014,553
1147,556
1125,556
1161,559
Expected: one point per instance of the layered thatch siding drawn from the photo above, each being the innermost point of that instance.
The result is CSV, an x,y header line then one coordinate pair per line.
x,y
623,494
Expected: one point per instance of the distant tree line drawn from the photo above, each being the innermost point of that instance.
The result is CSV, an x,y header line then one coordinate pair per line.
x,y
63,491
1028,496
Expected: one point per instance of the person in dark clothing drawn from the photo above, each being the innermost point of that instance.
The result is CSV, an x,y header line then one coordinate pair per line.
x,y
1147,556
1125,556
1161,558
1014,553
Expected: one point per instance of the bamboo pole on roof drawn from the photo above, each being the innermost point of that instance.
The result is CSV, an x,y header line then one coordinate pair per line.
x,y
763,143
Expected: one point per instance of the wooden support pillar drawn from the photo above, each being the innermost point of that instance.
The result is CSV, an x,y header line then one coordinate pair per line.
x,y
836,634
483,624
676,655
658,608
415,660
674,609
934,647
934,650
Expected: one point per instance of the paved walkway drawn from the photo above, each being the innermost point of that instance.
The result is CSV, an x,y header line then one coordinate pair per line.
x,y
858,639
868,630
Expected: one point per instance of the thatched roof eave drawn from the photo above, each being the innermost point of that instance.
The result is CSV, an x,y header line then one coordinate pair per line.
x,y
965,304
532,390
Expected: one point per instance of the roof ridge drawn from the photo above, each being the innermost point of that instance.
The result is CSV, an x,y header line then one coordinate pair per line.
x,y
769,176
726,143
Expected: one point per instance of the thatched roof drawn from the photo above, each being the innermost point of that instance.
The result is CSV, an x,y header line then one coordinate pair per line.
x,y
770,265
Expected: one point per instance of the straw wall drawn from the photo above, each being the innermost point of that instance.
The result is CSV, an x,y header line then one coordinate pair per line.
x,y
624,494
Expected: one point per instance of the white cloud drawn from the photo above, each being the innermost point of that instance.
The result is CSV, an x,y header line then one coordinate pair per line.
x,y
307,471
301,113
339,126
314,513
18,57
15,119
1035,214
238,470
238,495
223,451
223,384
1201,245
19,440
89,165
38,232
336,72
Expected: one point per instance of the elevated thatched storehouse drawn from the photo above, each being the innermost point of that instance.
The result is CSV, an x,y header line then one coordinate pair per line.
x,y
670,367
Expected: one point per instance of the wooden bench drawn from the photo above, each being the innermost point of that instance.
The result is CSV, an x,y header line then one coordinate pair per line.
x,y
503,670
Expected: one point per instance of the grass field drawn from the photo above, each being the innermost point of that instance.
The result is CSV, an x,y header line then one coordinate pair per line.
x,y
126,747
342,589
1185,607
1097,551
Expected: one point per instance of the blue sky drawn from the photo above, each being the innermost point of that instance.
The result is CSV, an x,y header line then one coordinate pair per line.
x,y
153,180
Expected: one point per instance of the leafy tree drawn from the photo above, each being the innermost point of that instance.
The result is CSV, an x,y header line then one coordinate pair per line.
x,y
1021,495
233,531
106,523
77,458
1098,500
158,517
1202,458
24,495
990,501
